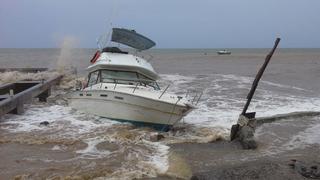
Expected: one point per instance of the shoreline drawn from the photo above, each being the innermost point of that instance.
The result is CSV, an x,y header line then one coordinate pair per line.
x,y
204,163
293,158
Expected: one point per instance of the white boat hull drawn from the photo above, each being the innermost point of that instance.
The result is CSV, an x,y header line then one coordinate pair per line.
x,y
128,107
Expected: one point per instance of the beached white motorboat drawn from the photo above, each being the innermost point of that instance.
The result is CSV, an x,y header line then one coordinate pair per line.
x,y
123,86
224,52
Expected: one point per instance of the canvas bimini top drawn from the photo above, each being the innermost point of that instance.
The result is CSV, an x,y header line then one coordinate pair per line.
x,y
131,38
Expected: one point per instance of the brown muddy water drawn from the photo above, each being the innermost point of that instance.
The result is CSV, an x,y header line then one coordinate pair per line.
x,y
80,146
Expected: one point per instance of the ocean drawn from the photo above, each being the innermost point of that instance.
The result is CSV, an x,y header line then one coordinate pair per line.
x,y
78,145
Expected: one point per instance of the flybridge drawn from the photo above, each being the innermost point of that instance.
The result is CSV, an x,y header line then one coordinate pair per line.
x,y
123,36
131,38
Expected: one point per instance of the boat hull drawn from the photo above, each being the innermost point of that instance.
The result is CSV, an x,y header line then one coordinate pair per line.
x,y
224,53
127,107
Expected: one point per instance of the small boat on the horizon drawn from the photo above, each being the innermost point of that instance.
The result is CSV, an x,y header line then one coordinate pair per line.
x,y
224,52
123,86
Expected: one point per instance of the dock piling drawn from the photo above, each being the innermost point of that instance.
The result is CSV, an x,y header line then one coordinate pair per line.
x,y
245,127
43,96
19,110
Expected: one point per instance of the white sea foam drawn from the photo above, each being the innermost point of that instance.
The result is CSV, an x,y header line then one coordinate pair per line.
x,y
309,136
56,148
224,98
91,151
177,78
299,134
14,76
60,147
59,117
249,80
284,86
159,159
65,122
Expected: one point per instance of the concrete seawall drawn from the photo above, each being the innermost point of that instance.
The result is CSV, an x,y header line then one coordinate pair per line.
x,y
14,95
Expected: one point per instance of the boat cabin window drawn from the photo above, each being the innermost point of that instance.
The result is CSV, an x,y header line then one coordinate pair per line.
x,y
121,77
148,81
93,78
114,50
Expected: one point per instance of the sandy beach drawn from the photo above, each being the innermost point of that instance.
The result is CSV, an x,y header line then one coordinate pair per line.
x,y
227,160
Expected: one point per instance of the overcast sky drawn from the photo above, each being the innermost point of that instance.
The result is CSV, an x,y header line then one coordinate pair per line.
x,y
170,23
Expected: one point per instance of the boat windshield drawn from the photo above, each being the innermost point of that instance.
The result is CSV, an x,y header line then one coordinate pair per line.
x,y
121,77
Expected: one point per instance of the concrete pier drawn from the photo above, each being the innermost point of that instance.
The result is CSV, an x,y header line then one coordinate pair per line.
x,y
13,96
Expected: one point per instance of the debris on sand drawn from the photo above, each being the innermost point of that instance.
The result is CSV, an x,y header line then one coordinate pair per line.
x,y
311,170
44,123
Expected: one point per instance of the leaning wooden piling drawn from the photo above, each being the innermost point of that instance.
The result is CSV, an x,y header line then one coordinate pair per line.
x,y
14,95
245,127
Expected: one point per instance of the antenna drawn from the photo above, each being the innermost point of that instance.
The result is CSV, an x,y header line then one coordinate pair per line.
x,y
104,39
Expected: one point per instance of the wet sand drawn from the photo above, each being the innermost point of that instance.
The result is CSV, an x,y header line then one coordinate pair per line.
x,y
219,161
224,159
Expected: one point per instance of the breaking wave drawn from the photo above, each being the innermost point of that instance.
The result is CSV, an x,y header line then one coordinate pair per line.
x,y
224,97
14,76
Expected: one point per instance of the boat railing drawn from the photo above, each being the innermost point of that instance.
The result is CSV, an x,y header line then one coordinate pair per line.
x,y
149,58
164,91
137,82
173,109
194,96
146,56
115,84
136,87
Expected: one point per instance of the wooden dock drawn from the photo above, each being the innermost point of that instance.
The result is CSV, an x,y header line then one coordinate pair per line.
x,y
14,95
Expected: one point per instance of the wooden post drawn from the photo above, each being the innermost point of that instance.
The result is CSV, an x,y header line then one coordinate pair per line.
x,y
245,127
258,77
